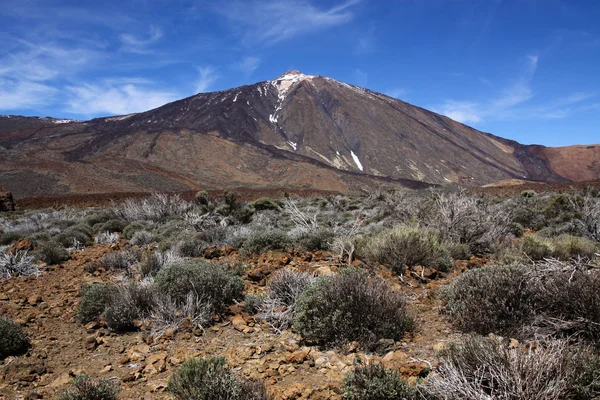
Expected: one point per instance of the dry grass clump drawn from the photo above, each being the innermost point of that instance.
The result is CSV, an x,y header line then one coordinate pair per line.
x,y
278,308
86,388
484,368
405,246
351,306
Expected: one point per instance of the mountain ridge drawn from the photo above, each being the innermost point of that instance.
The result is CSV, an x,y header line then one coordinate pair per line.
x,y
297,131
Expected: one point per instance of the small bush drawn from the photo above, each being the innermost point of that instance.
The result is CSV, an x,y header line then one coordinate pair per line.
x,y
133,228
94,299
52,253
372,381
267,204
18,263
206,280
566,300
278,308
12,339
106,238
113,225
142,238
86,388
403,246
211,379
120,259
535,249
485,368
566,247
252,303
351,306
129,303
314,241
261,241
77,234
8,238
490,299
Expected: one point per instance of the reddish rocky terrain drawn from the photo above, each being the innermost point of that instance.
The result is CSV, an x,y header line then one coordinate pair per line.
x,y
61,347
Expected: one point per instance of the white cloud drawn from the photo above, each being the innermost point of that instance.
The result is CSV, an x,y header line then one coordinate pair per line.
x,y
23,94
136,44
461,111
502,106
207,76
248,65
115,99
274,21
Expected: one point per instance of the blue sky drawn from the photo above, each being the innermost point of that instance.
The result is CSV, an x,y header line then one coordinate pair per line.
x,y
522,69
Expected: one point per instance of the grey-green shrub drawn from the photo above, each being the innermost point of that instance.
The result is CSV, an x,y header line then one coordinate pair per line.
x,y
86,388
260,241
94,299
131,302
207,280
12,338
405,246
489,299
351,306
372,381
211,379
52,253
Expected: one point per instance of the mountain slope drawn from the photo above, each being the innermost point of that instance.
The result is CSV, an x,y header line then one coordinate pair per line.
x,y
297,131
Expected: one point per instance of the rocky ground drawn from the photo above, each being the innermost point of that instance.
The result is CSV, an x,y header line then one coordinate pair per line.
x,y
61,347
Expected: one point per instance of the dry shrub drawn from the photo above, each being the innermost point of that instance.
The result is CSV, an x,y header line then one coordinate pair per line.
x,y
212,379
485,368
131,302
18,263
490,299
86,388
372,381
351,306
122,260
405,246
12,338
278,308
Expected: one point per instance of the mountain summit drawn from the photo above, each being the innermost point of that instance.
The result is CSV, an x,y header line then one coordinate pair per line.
x,y
296,131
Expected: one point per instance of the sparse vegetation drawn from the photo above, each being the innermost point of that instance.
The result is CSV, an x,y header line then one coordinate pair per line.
x,y
351,306
211,379
405,246
86,388
12,338
208,281
94,300
372,381
18,263
484,368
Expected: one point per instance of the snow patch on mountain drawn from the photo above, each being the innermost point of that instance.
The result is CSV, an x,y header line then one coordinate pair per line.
x,y
356,160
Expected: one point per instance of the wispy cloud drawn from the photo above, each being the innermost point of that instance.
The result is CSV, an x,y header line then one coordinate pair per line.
x,y
502,106
207,76
275,21
137,44
16,94
115,97
248,65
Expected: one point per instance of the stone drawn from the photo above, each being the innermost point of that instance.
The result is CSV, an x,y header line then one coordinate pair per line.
x,y
138,352
514,344
324,271
62,380
297,357
34,300
6,200
21,245
238,323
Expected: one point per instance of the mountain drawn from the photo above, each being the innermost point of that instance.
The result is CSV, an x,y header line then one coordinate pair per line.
x,y
294,132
